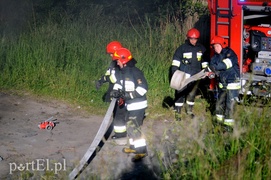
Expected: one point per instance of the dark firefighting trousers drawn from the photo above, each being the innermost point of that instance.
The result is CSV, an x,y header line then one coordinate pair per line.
x,y
188,95
119,121
225,103
134,121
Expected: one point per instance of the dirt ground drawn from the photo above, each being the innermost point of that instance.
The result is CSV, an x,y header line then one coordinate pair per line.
x,y
28,152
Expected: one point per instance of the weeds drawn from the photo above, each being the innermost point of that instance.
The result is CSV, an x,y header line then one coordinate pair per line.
x,y
63,61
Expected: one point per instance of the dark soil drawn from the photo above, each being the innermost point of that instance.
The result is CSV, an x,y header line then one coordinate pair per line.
x,y
31,153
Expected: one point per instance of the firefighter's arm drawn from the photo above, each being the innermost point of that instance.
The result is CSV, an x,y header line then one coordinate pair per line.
x,y
117,91
109,76
176,62
173,69
110,73
105,78
205,60
99,83
212,68
175,65
223,65
227,62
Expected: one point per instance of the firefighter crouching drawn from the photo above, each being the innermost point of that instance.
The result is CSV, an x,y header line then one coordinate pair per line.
x,y
225,65
188,58
131,88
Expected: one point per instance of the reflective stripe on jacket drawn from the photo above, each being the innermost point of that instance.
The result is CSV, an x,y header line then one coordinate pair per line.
x,y
193,54
131,80
226,64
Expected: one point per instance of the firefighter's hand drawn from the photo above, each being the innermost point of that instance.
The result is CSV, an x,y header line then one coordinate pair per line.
x,y
209,73
186,61
213,70
98,84
117,94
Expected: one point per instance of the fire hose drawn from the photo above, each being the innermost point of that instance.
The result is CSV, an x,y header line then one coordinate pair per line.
x,y
98,138
179,81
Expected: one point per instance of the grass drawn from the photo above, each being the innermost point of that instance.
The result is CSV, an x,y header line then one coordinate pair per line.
x,y
63,61
206,151
60,61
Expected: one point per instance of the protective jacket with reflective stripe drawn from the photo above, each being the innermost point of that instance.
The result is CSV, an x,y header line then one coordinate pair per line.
x,y
226,64
110,73
131,80
194,56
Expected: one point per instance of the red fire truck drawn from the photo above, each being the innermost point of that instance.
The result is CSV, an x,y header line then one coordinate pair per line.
x,y
246,26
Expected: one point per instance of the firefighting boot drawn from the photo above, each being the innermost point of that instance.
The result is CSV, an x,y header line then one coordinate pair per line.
x,y
119,135
228,125
120,138
141,152
229,122
129,150
189,111
178,113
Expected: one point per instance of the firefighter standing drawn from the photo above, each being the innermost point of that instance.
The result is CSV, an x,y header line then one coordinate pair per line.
x,y
188,58
119,123
225,65
131,86
109,75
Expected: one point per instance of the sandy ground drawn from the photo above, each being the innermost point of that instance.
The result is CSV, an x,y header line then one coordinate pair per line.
x,y
31,153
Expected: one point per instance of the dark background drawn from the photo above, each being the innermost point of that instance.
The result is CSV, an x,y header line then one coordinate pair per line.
x,y
21,15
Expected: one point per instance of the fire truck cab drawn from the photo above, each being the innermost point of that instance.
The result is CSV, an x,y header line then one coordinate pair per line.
x,y
246,27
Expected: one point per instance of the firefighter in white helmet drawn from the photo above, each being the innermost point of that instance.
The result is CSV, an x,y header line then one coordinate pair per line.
x,y
188,58
225,65
131,86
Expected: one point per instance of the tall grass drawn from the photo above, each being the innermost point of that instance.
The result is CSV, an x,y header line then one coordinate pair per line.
x,y
64,60
210,152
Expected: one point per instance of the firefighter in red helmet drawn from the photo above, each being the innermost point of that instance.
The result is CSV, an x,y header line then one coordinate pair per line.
x,y
225,65
109,75
119,125
131,86
188,58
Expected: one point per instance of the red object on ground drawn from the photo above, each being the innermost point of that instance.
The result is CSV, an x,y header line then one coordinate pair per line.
x,y
49,124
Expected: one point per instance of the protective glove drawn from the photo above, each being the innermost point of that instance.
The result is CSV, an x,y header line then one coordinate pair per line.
x,y
117,94
186,61
98,84
209,73
213,70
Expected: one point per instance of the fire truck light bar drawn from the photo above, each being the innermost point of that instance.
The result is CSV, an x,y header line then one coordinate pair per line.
x,y
262,1
253,1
